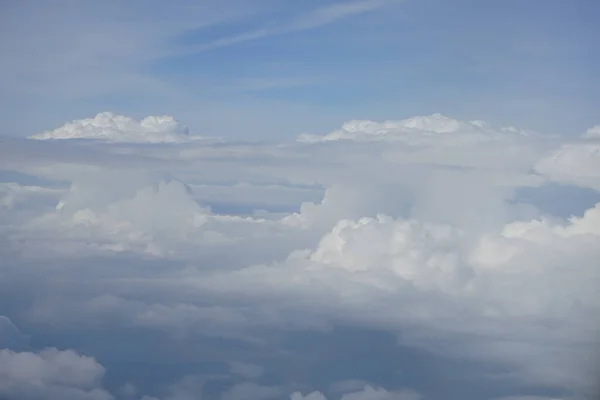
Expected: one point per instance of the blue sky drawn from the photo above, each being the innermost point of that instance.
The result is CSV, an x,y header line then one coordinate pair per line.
x,y
276,68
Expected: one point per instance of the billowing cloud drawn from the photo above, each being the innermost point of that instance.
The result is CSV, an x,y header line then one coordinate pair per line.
x,y
118,128
421,129
51,374
423,236
577,163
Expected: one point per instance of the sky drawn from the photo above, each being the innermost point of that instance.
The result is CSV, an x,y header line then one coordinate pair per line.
x,y
316,200
272,68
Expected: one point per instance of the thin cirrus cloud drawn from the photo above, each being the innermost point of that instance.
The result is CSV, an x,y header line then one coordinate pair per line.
x,y
313,19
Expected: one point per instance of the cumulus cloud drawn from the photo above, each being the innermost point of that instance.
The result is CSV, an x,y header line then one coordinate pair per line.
x,y
593,132
577,164
111,127
51,374
417,130
420,233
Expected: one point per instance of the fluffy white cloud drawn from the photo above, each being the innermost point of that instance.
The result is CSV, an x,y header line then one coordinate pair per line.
x,y
424,237
593,132
118,128
417,130
577,163
51,374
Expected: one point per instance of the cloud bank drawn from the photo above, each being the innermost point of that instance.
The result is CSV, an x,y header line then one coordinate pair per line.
x,y
385,260
112,127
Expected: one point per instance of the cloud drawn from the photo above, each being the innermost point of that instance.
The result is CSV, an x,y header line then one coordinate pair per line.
x,y
329,14
117,128
577,164
310,396
10,336
248,371
424,238
51,374
371,393
593,132
417,130
367,393
251,391
316,18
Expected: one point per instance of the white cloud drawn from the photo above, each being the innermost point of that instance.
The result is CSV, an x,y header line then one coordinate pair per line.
x,y
118,128
577,164
424,238
418,130
593,132
51,374
316,18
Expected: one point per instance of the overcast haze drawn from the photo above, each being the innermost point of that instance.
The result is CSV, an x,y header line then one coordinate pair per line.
x,y
315,200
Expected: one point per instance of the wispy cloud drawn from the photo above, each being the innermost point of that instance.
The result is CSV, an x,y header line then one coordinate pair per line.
x,y
314,19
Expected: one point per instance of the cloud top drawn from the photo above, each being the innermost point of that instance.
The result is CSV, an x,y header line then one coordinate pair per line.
x,y
430,125
112,127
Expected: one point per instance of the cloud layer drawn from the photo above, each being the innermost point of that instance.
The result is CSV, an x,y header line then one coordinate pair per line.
x,y
118,128
396,260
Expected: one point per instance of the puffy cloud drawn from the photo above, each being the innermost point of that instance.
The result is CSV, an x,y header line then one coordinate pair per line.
x,y
593,132
423,237
118,128
577,164
51,374
489,299
421,129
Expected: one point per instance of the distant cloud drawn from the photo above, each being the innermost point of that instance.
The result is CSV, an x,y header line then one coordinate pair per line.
x,y
593,132
416,129
422,237
50,374
117,128
251,391
245,370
